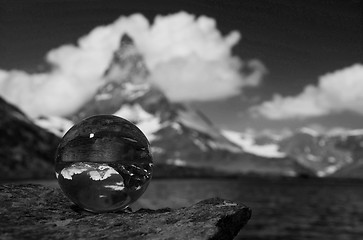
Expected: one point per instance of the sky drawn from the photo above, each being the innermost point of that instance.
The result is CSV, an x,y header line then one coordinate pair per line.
x,y
258,64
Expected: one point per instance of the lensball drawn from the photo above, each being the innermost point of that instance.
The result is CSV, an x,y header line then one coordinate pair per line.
x,y
103,163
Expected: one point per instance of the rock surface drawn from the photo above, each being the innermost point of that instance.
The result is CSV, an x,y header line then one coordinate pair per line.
x,y
38,212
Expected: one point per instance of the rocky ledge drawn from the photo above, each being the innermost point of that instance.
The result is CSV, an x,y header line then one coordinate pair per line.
x,y
37,212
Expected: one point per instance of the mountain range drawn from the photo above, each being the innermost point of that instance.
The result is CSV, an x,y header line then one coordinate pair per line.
x,y
179,134
184,141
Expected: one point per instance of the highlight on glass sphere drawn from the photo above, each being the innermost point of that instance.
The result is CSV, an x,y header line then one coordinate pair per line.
x,y
103,163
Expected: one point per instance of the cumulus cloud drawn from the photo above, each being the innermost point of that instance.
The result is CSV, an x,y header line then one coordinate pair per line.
x,y
76,72
336,92
46,94
188,59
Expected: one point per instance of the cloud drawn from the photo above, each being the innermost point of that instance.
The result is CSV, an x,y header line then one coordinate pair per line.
x,y
46,94
188,59
192,78
191,60
336,92
76,72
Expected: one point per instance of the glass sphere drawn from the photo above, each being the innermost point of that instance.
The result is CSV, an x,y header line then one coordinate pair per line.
x,y
103,163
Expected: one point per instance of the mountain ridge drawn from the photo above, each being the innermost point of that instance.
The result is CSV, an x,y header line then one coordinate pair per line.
x,y
179,134
182,136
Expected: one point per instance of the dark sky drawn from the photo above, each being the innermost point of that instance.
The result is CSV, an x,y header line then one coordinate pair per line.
x,y
296,40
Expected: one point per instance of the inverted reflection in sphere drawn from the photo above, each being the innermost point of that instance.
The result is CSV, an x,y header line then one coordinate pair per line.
x,y
103,163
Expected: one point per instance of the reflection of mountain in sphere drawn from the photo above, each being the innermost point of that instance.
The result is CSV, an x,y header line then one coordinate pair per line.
x,y
103,163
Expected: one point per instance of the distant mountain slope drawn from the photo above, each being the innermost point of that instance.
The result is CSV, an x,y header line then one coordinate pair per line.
x,y
26,150
352,142
260,146
316,152
336,154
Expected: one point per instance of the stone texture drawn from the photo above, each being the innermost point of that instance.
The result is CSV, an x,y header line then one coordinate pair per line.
x,y
38,212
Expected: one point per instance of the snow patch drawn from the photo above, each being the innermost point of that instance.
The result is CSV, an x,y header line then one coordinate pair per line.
x,y
248,145
103,174
355,132
149,127
57,125
135,91
309,131
312,158
103,97
176,126
157,150
195,121
200,144
176,162
329,170
68,172
134,113
147,123
224,146
345,132
97,173
118,187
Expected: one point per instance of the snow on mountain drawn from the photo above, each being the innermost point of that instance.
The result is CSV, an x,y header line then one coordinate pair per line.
x,y
345,132
176,162
309,131
148,123
247,143
128,93
57,125
196,120
319,152
354,132
328,171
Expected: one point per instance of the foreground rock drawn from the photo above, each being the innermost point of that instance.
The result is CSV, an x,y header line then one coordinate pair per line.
x,y
37,212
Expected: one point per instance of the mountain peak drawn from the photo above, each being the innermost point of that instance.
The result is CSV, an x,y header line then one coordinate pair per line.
x,y
126,79
309,131
128,91
126,40
127,64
